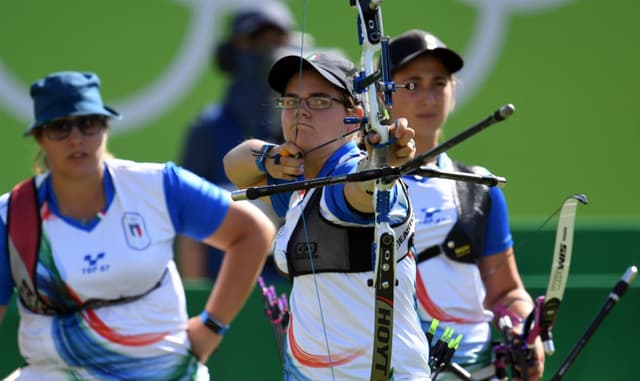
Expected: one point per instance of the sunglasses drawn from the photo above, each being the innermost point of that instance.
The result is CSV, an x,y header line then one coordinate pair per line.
x,y
314,103
60,129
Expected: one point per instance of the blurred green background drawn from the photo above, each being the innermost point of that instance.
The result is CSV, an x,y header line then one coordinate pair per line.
x,y
569,67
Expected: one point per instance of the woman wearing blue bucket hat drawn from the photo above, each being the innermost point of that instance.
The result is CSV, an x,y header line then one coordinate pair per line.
x,y
89,249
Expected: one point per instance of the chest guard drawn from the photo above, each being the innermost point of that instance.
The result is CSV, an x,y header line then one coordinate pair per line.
x,y
336,248
465,241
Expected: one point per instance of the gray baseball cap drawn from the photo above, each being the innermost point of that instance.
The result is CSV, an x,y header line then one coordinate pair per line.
x,y
333,67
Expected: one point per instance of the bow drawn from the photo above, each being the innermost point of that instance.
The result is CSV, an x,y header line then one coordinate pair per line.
x,y
384,249
518,349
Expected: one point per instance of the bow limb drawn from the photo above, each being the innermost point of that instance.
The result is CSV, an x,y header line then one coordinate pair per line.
x,y
550,303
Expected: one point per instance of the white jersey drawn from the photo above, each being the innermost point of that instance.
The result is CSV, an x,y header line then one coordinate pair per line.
x,y
331,328
127,251
447,290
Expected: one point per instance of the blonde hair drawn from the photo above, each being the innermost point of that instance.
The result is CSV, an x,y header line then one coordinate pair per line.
x,y
40,163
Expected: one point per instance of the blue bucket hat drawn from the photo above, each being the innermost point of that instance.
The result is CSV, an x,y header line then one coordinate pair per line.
x,y
67,93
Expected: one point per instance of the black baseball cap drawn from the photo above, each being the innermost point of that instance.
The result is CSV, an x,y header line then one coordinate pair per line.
x,y
332,66
413,43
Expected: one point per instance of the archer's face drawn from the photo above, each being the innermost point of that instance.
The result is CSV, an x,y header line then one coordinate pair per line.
x,y
78,155
426,106
309,127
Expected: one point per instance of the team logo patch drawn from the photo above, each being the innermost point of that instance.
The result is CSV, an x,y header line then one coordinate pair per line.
x,y
95,263
135,231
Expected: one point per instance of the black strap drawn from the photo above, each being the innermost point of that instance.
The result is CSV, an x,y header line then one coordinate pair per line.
x,y
429,253
97,303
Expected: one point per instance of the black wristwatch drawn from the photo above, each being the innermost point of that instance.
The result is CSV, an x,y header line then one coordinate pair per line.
x,y
262,156
214,325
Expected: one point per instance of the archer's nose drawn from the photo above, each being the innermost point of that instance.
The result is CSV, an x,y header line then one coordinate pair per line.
x,y
303,111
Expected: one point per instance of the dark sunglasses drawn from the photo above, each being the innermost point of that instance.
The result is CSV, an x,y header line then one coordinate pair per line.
x,y
60,129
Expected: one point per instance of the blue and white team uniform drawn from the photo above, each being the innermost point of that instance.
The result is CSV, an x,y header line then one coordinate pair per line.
x,y
331,328
449,284
126,251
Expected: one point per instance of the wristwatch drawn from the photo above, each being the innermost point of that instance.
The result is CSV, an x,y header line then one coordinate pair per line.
x,y
214,325
262,156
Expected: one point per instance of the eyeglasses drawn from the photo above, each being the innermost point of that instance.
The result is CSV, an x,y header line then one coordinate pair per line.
x,y
314,103
60,129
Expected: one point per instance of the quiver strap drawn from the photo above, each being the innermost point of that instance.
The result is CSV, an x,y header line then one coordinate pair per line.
x,y
24,229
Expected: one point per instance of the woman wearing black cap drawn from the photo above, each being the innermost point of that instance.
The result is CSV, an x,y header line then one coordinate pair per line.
x,y
90,250
325,243
467,271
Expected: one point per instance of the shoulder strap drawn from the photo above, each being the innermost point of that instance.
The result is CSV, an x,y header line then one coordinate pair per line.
x,y
24,223
24,226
